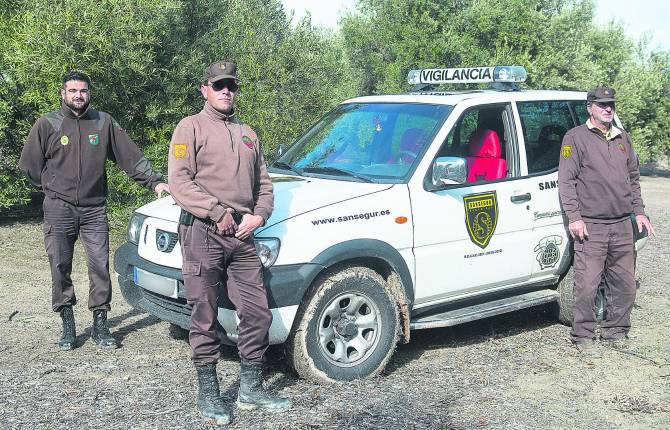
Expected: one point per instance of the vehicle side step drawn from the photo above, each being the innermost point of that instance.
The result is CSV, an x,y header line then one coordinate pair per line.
x,y
485,310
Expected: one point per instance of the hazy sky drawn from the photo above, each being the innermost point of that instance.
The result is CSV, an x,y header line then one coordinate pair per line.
x,y
637,16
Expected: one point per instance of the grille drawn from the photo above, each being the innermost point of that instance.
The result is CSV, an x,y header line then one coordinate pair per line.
x,y
165,240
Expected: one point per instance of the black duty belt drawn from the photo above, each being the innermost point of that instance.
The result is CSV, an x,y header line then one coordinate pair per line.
x,y
187,218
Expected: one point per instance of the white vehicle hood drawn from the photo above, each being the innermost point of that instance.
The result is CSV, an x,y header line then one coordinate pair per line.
x,y
294,195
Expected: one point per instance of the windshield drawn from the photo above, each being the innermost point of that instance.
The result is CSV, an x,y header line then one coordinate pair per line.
x,y
368,142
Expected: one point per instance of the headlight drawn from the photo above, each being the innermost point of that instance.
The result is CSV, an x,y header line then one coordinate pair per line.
x,y
268,250
135,227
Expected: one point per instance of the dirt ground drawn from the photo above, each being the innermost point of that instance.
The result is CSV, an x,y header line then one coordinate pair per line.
x,y
516,371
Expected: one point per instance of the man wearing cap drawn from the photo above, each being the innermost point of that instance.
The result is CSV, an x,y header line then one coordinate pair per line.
x,y
599,188
218,177
64,157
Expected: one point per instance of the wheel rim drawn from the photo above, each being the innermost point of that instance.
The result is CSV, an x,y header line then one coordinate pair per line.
x,y
349,328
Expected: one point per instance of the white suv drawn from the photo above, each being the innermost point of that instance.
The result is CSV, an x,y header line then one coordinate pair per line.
x,y
393,213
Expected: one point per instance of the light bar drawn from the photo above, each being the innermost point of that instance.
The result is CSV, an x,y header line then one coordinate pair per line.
x,y
467,75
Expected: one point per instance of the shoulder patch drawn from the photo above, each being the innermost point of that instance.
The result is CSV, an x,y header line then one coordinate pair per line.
x,y
179,150
566,151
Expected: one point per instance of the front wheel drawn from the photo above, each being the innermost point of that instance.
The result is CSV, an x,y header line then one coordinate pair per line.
x,y
347,329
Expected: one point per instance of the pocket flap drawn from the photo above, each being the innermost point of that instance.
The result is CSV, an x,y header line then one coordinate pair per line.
x,y
191,268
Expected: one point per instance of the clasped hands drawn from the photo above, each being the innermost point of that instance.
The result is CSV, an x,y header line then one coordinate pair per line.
x,y
244,229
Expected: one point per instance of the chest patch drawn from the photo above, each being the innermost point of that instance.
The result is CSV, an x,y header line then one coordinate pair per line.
x,y
622,147
94,139
248,142
64,140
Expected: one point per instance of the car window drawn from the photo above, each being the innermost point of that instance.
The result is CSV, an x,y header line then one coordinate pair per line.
x,y
544,124
579,108
479,136
378,142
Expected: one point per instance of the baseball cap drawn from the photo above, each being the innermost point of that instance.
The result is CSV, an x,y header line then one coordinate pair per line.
x,y
601,95
220,70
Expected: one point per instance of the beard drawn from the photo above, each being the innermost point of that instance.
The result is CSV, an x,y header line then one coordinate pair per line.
x,y
76,106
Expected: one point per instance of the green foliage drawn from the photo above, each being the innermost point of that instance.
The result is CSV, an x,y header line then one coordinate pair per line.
x,y
146,57
555,40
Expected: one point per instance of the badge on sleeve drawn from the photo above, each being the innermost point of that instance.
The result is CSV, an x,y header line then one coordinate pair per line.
x,y
64,140
94,139
248,142
179,150
566,151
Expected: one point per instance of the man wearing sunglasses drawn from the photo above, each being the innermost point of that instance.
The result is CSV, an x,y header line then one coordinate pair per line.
x,y
599,188
218,177
65,157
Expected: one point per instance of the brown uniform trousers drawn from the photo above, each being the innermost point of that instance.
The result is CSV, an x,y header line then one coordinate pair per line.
x,y
63,223
609,248
210,258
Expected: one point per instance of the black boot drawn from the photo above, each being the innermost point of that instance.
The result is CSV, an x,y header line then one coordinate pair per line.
x,y
66,342
100,334
209,402
252,394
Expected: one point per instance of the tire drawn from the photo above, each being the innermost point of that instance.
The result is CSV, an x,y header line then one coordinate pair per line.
x,y
177,332
563,307
329,343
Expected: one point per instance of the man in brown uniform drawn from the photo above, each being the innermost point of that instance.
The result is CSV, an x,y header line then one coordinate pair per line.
x,y
65,158
599,188
218,176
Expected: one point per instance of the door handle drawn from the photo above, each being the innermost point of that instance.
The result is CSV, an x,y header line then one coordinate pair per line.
x,y
518,198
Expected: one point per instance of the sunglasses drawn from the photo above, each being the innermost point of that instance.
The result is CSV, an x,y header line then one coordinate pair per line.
x,y
603,105
224,83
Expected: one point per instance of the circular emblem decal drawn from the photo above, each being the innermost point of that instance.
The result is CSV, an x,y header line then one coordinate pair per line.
x,y
64,140
163,241
548,252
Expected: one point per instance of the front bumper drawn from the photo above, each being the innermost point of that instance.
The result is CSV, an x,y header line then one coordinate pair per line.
x,y
161,292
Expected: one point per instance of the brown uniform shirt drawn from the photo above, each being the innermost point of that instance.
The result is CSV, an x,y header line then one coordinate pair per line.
x,y
215,163
598,177
65,156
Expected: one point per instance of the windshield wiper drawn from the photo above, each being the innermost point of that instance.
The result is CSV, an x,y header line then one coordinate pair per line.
x,y
286,166
337,171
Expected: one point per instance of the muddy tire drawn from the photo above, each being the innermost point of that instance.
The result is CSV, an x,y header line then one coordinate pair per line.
x,y
177,332
563,307
347,328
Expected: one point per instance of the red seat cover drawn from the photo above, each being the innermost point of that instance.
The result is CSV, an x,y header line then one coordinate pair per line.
x,y
484,162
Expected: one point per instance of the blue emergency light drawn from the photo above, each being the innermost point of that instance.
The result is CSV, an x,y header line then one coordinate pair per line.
x,y
468,75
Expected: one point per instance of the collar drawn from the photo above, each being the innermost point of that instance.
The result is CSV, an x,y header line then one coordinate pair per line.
x,y
66,111
215,114
613,132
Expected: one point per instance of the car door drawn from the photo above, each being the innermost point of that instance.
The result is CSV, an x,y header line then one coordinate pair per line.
x,y
543,124
467,237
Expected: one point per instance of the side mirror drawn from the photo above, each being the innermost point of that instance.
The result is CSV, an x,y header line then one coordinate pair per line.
x,y
447,171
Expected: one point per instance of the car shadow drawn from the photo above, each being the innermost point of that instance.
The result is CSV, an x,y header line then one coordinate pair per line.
x,y
472,333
